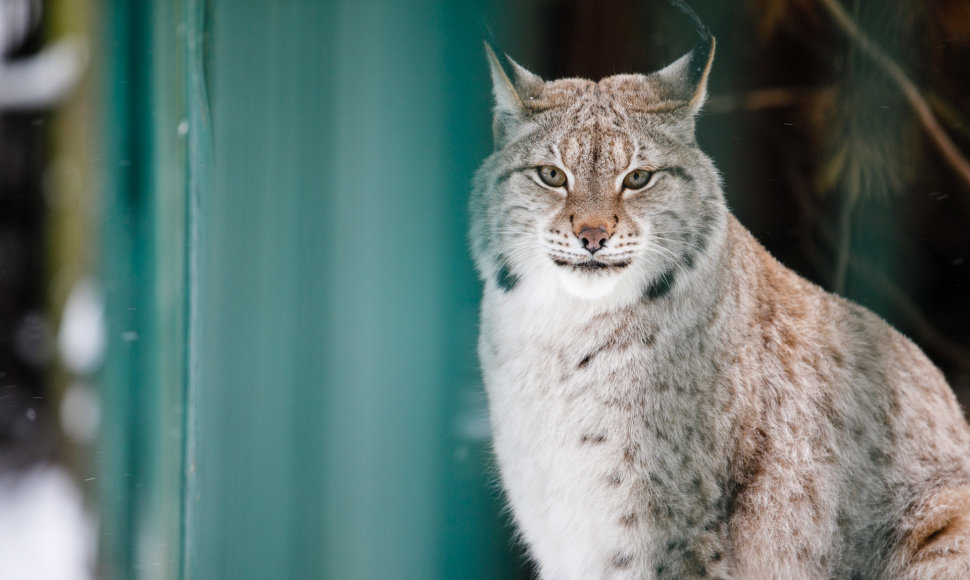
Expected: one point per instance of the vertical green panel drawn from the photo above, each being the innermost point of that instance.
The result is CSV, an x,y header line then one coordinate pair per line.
x,y
409,128
334,323
143,247
161,412
198,130
116,271
253,464
386,338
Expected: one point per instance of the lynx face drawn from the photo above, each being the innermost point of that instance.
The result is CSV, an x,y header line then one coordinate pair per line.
x,y
597,187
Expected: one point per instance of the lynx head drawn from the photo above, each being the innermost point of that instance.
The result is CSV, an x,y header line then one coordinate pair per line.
x,y
596,186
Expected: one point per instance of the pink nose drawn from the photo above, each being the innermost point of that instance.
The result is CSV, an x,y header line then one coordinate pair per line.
x,y
593,238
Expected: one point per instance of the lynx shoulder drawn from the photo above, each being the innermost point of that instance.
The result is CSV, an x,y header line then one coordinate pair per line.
x,y
667,400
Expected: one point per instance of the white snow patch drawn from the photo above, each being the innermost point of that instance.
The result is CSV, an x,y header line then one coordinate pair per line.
x,y
44,532
82,335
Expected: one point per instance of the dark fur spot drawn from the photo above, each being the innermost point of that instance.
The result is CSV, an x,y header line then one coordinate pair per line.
x,y
842,520
878,456
616,341
614,479
932,537
661,285
629,454
690,558
505,279
629,520
591,438
688,260
680,173
837,358
621,561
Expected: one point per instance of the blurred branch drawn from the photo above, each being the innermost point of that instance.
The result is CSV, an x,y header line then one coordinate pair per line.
x,y
951,154
950,114
845,237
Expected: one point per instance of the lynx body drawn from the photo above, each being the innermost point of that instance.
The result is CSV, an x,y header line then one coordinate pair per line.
x,y
667,400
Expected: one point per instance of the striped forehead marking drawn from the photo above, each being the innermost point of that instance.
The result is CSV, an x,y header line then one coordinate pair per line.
x,y
592,149
593,141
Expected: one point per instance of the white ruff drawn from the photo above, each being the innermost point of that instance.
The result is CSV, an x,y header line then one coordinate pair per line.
x,y
589,287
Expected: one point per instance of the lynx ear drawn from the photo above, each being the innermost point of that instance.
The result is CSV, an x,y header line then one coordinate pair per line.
x,y
514,88
683,83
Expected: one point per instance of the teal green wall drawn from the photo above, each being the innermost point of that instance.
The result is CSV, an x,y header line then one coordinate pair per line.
x,y
305,398
139,462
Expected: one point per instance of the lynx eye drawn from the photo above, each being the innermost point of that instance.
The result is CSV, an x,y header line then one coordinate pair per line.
x,y
637,179
552,176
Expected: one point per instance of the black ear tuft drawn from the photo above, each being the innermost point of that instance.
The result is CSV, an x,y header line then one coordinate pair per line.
x,y
692,70
682,85
702,30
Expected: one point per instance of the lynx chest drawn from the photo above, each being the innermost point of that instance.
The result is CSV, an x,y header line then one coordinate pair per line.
x,y
586,440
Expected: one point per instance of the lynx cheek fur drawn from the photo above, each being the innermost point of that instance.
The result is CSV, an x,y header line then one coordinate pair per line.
x,y
667,400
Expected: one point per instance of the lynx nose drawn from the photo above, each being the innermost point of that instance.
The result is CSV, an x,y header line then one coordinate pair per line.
x,y
593,238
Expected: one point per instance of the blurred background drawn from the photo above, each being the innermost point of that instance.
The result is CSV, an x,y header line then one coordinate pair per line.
x,y
237,312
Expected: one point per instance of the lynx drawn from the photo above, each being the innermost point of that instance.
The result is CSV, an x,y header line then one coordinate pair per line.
x,y
669,401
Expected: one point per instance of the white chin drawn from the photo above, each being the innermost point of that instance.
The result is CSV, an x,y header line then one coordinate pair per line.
x,y
589,287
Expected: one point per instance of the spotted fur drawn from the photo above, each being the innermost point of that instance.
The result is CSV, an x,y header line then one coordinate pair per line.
x,y
679,404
